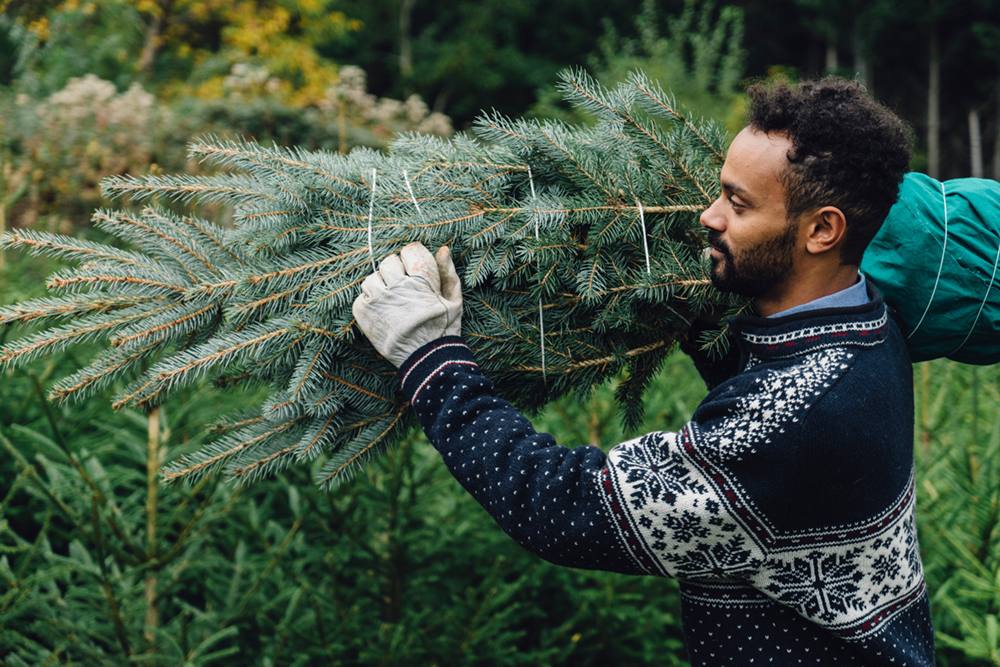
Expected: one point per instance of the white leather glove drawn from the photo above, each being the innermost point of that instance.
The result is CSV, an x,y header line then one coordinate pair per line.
x,y
414,298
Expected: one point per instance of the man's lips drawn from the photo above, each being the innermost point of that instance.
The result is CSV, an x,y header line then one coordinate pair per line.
x,y
715,246
715,252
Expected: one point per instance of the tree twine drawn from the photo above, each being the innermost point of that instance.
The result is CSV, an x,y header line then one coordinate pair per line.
x,y
944,247
937,280
541,315
989,286
406,179
371,212
645,243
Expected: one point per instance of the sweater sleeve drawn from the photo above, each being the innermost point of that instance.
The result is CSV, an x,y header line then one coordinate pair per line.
x,y
574,507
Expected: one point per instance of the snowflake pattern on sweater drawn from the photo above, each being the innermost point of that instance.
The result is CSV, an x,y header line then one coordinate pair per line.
x,y
779,504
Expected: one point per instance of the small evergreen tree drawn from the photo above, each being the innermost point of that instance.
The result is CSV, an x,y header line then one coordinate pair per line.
x,y
699,51
579,249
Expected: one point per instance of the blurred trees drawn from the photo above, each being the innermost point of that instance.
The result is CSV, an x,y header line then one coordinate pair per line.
x,y
699,52
183,46
893,46
466,57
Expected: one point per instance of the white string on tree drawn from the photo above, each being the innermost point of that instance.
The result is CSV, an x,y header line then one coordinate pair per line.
x,y
409,188
541,316
371,212
645,243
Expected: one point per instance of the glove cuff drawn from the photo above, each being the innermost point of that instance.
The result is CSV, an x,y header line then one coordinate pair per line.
x,y
430,360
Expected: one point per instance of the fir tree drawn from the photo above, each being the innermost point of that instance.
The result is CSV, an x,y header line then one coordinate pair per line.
x,y
579,249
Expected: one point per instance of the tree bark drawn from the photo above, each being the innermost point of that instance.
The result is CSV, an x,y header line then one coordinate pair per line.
x,y
975,145
860,57
152,42
831,52
152,481
405,42
934,106
996,142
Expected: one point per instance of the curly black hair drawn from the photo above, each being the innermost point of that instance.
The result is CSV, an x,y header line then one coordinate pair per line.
x,y
847,151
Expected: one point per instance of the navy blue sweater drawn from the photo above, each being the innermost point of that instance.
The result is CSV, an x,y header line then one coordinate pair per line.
x,y
784,507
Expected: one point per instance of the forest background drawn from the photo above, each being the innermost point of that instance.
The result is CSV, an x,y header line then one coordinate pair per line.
x,y
101,564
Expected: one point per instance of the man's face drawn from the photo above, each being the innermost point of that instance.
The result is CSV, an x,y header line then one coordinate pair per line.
x,y
753,243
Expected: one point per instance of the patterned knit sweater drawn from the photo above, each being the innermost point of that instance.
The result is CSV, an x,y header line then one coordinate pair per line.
x,y
784,507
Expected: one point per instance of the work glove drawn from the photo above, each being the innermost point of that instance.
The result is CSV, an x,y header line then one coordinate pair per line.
x,y
414,298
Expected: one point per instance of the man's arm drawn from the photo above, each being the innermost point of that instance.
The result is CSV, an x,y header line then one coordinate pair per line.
x,y
646,508
546,497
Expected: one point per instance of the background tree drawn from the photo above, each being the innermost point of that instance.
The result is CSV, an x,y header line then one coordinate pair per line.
x,y
699,52
467,57
182,46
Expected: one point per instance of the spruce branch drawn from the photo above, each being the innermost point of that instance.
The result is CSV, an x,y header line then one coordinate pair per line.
x,y
595,228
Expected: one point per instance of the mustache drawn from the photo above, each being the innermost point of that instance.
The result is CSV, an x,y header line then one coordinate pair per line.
x,y
715,240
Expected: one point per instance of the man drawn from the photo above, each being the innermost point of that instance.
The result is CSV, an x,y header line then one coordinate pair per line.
x,y
785,506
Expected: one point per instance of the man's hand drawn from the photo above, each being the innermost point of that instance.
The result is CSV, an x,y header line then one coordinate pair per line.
x,y
413,299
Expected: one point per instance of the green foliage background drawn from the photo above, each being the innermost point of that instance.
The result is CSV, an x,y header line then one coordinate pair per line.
x,y
399,566
99,566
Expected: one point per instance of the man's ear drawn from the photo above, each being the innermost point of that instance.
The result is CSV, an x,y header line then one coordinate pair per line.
x,y
826,228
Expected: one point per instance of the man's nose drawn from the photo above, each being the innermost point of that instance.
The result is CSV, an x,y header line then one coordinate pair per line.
x,y
712,216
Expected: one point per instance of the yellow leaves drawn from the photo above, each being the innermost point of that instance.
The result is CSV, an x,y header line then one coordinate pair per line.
x,y
211,89
40,28
253,28
311,7
271,44
199,12
148,7
280,40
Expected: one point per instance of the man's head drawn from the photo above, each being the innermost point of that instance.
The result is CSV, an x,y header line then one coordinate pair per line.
x,y
753,242
811,177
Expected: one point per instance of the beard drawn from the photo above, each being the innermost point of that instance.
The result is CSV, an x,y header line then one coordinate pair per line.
x,y
753,271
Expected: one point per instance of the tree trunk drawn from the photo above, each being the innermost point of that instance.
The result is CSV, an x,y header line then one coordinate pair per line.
x,y
405,42
831,52
152,481
150,46
975,144
934,106
860,58
342,127
996,142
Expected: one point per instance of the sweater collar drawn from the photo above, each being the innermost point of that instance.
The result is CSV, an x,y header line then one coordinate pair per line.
x,y
864,325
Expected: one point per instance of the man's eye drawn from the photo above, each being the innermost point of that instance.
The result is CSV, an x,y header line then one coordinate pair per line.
x,y
735,204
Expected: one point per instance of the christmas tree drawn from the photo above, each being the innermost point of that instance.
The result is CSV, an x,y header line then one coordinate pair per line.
x,y
579,249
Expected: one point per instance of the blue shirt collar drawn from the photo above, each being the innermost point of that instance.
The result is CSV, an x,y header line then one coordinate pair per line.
x,y
855,295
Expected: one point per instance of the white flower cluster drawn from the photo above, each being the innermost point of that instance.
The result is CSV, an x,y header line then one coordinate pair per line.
x,y
92,99
244,78
350,95
77,136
